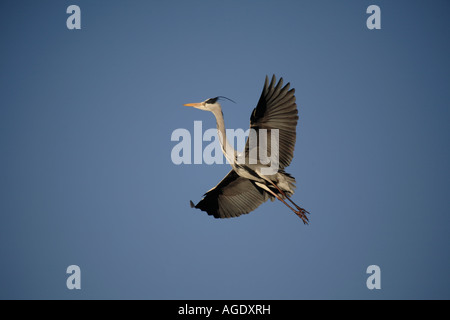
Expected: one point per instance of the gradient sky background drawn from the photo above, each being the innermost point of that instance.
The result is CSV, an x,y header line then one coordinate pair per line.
x,y
86,176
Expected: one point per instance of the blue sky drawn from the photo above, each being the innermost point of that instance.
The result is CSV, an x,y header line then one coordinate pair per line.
x,y
86,118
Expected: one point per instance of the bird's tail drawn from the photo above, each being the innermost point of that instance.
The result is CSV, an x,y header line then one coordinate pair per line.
x,y
286,183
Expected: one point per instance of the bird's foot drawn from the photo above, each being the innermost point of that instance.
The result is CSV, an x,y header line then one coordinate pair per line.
x,y
302,215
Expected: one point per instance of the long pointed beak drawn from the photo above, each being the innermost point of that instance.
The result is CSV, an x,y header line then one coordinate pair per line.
x,y
195,105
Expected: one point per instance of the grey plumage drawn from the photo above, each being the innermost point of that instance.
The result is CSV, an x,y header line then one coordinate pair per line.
x,y
242,190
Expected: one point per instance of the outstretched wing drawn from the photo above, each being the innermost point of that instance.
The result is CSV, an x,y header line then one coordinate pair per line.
x,y
276,109
232,197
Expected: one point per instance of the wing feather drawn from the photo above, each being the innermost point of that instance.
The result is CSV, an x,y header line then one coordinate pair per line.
x,y
277,109
232,197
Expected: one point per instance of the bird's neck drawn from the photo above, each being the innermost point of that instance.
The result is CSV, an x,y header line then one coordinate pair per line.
x,y
227,149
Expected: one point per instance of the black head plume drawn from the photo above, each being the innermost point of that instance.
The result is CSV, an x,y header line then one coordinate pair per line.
x,y
214,100
222,97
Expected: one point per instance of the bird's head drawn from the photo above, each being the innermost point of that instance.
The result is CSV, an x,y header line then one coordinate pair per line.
x,y
207,105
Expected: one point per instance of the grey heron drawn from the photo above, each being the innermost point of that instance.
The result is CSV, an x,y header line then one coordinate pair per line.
x,y
246,187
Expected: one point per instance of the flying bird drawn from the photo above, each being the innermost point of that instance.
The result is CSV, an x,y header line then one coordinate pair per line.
x,y
251,183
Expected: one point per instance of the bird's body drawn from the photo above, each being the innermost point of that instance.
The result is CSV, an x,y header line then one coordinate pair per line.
x,y
253,179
